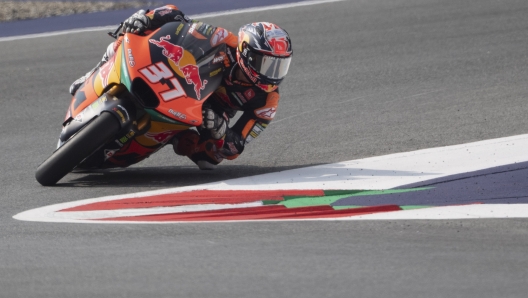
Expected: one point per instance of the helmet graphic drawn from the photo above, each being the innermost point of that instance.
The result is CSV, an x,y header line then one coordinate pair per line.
x,y
264,53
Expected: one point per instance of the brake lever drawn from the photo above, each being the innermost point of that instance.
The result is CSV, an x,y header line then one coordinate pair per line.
x,y
116,33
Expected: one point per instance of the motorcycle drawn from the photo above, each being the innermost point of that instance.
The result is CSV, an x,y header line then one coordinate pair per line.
x,y
152,89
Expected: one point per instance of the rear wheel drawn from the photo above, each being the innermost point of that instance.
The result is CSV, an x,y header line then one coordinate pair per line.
x,y
80,146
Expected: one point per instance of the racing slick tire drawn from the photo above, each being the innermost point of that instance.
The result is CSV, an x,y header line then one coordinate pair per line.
x,y
81,145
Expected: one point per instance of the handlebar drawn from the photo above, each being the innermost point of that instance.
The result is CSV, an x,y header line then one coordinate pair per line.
x,y
116,33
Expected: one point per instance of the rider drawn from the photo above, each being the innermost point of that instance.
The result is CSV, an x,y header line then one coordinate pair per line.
x,y
257,62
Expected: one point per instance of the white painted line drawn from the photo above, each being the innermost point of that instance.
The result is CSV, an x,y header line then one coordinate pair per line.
x,y
198,16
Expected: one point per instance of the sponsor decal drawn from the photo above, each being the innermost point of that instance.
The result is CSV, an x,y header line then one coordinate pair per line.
x,y
206,29
156,73
193,27
178,114
131,61
215,72
180,26
170,50
192,76
104,73
220,57
95,105
194,32
249,94
109,153
219,36
255,132
118,112
279,45
267,113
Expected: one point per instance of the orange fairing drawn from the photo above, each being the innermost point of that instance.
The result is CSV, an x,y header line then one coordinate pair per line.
x,y
102,80
165,77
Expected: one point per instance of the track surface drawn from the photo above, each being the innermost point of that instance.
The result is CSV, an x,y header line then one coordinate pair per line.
x,y
369,78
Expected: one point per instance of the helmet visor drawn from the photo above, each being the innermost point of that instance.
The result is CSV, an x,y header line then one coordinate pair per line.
x,y
269,66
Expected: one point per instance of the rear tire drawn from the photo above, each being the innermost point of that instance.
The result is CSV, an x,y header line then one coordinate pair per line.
x,y
80,146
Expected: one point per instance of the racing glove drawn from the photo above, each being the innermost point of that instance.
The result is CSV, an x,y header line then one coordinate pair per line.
x,y
215,123
137,23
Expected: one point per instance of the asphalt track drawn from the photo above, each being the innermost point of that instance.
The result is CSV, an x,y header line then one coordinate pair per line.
x,y
369,78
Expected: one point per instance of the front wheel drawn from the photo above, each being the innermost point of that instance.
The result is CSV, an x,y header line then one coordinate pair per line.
x,y
80,146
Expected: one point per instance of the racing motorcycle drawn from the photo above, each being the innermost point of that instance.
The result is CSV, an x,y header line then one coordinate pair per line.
x,y
152,89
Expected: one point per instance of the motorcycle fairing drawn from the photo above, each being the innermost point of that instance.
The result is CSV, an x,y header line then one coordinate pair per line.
x,y
147,78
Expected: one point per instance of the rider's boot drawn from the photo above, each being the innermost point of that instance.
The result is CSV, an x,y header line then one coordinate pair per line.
x,y
188,144
185,143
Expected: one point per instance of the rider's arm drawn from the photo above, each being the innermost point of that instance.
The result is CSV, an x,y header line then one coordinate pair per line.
x,y
249,126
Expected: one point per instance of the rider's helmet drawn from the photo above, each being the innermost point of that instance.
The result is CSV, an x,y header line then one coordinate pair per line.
x,y
264,54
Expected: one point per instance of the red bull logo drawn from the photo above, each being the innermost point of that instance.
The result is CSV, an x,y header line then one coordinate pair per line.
x,y
105,72
170,50
192,76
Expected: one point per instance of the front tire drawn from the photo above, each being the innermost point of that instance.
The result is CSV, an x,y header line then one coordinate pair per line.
x,y
80,146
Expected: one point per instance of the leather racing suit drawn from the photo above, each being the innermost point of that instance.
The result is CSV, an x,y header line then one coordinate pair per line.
x,y
255,104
